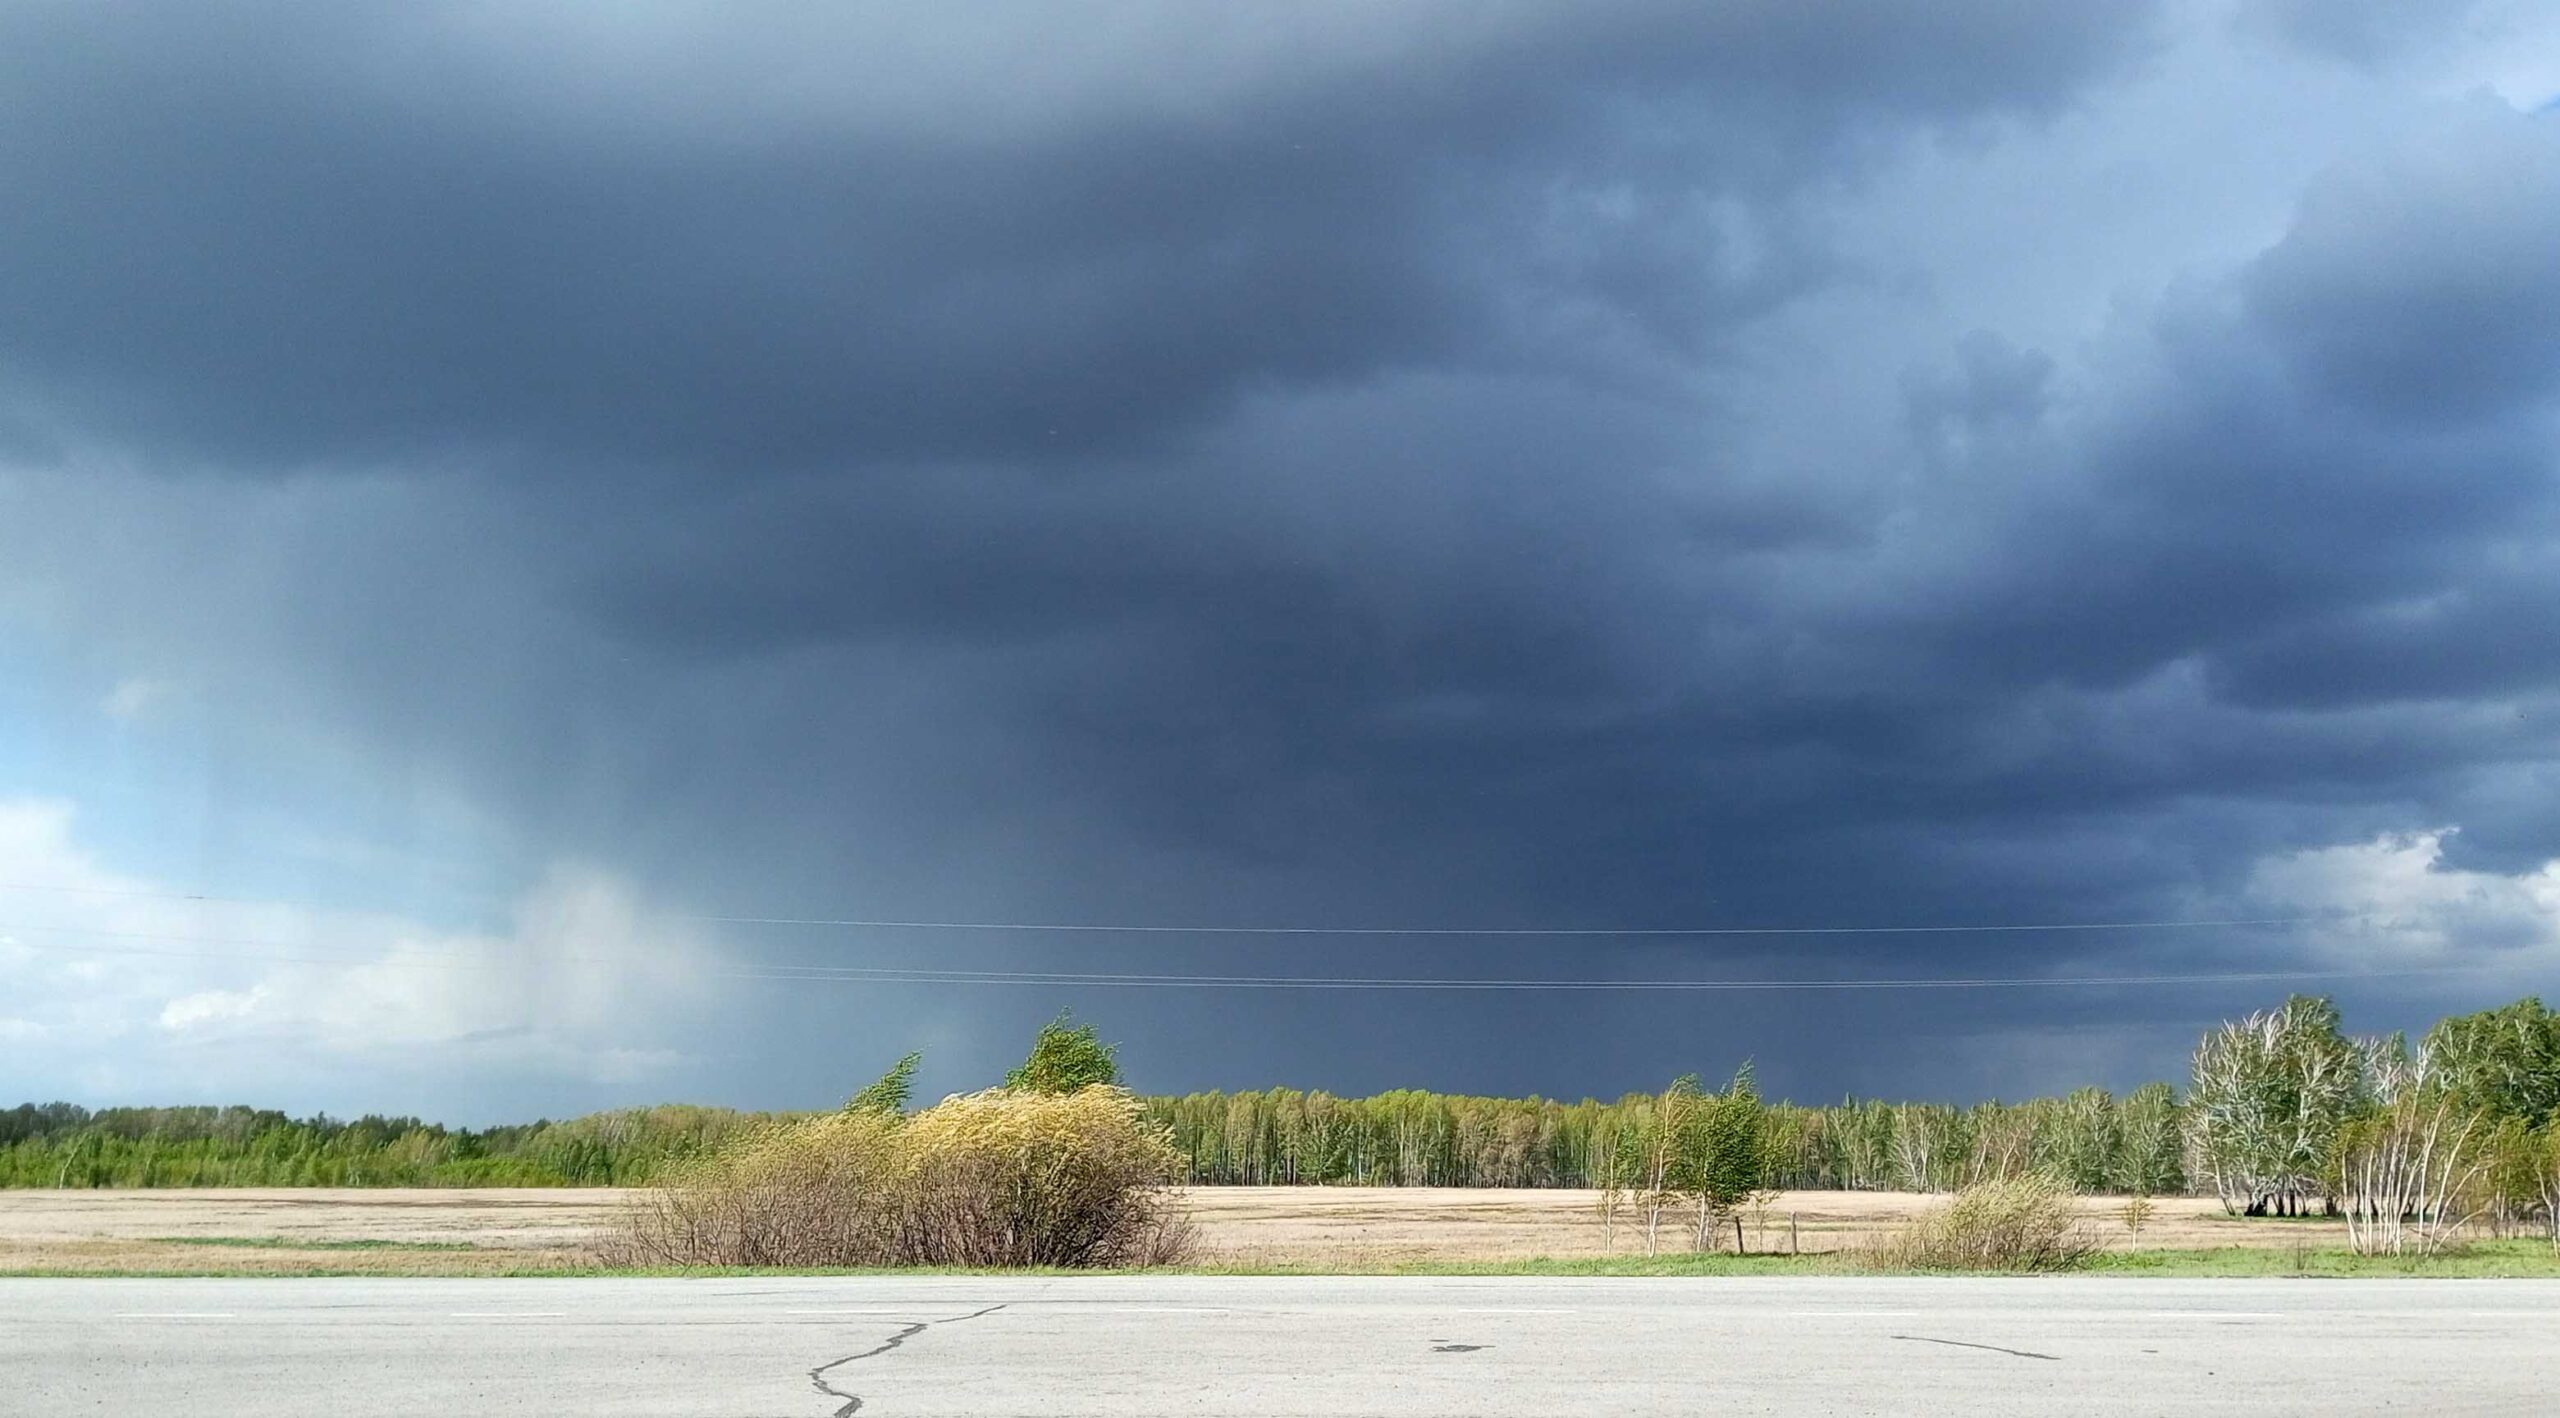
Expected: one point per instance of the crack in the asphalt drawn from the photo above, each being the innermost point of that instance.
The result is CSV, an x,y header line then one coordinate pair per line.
x,y
852,1403
1968,1344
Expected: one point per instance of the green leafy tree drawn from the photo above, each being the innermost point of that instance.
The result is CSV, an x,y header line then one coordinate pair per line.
x,y
2153,1159
2085,1140
2268,1097
889,1094
1668,1134
1065,1058
2512,1182
2502,1062
1726,1152
2546,1179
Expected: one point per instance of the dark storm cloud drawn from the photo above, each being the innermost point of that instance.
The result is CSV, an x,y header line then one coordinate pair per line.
x,y
283,235
1380,463
2423,289
2364,32
2331,489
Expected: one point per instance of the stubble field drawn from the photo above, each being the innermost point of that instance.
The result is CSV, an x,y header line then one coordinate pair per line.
x,y
252,1231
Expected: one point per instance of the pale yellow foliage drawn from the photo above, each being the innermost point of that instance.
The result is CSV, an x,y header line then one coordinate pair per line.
x,y
1001,1178
2023,1223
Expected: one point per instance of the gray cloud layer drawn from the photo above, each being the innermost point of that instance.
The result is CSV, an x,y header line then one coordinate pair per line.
x,y
1448,465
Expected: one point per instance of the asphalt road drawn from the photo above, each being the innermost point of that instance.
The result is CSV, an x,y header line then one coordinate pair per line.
x,y
1129,1345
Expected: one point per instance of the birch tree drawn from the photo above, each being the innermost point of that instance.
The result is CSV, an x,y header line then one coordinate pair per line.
x,y
2267,1096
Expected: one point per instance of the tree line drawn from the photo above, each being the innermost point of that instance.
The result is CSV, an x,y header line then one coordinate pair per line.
x,y
1276,1137
2411,1144
63,1145
2091,1139
2283,1112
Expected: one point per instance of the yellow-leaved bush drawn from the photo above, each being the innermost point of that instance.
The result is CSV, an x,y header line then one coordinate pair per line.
x,y
1000,1178
2026,1223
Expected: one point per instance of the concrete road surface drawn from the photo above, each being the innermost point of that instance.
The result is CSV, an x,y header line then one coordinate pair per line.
x,y
1128,1345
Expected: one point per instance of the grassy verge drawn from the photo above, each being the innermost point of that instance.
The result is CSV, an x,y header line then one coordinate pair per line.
x,y
2517,1259
2513,1259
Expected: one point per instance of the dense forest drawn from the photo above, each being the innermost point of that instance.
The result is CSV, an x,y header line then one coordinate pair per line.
x,y
1279,1137
61,1145
2091,1138
2269,1101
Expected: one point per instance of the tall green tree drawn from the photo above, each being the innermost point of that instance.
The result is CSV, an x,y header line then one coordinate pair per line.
x,y
2502,1062
1064,1058
2268,1096
1726,1152
2152,1157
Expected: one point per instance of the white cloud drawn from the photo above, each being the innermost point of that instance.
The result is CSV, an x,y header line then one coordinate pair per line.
x,y
579,979
583,981
210,1006
2396,903
20,1031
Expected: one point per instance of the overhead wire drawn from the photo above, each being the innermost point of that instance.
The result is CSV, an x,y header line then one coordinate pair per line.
x,y
415,956
1156,928
410,955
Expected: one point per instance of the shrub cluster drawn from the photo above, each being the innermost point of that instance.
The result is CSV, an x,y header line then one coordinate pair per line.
x,y
2024,1223
1007,1177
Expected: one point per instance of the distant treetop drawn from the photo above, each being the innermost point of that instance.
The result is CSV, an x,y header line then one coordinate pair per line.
x,y
1065,1058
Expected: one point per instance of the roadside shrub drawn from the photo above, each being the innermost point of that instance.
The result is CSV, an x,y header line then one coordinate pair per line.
x,y
820,1191
1009,1178
1001,1178
2022,1223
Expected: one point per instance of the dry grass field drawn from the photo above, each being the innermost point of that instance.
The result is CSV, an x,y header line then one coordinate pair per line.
x,y
1295,1225
485,1231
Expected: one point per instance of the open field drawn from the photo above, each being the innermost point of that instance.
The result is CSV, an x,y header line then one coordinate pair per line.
x,y
1294,1225
496,1230
1156,1344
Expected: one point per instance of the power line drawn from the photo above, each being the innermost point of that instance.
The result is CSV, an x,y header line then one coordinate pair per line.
x,y
924,975
1472,932
1493,931
142,893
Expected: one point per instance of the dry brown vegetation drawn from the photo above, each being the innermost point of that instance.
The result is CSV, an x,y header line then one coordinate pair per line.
x,y
1001,1178
2013,1224
414,1231
1313,1226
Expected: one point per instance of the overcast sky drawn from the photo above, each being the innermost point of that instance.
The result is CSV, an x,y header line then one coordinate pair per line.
x,y
484,487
